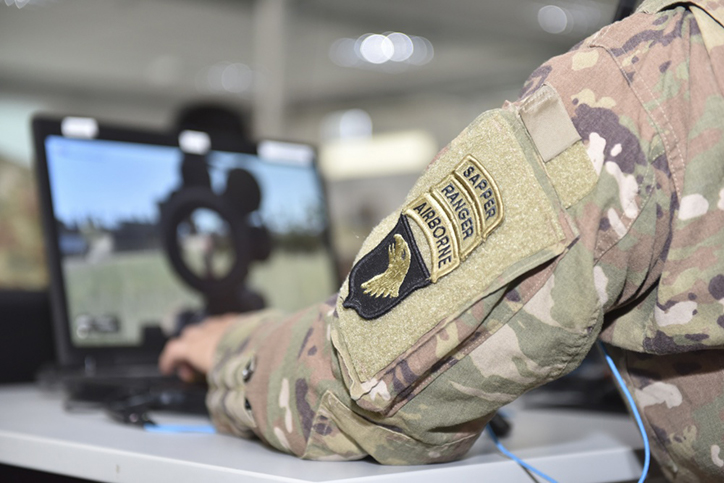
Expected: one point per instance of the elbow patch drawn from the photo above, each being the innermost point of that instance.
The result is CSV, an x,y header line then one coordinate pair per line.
x,y
485,212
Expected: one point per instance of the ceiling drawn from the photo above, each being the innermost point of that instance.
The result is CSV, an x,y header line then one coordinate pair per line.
x,y
163,49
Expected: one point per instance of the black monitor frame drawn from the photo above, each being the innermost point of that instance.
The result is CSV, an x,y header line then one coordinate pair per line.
x,y
68,354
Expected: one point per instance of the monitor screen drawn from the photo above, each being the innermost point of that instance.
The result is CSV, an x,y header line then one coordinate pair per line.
x,y
108,199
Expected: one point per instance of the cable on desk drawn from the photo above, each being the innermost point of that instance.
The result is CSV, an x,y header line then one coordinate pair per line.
x,y
634,410
179,428
510,455
637,417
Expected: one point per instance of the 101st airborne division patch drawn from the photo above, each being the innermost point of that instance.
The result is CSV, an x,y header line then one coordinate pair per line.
x,y
456,216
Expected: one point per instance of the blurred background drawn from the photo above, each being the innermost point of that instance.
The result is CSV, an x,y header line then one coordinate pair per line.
x,y
378,85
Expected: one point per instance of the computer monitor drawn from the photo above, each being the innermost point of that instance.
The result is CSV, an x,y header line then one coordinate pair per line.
x,y
144,229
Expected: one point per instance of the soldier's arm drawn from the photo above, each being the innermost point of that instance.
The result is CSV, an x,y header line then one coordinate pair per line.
x,y
490,280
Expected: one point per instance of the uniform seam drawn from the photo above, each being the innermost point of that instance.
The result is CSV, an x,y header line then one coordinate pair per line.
x,y
650,113
583,337
601,252
323,412
593,45
644,202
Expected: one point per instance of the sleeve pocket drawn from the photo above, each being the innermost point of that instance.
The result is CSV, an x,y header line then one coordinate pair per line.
x,y
388,335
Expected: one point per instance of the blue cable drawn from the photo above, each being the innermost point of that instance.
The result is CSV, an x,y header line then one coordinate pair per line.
x,y
634,410
179,428
510,455
632,405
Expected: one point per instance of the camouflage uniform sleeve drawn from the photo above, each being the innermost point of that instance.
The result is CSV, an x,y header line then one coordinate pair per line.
x,y
671,333
493,277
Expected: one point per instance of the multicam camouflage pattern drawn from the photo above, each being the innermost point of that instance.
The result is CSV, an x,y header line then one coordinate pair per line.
x,y
22,263
643,270
681,397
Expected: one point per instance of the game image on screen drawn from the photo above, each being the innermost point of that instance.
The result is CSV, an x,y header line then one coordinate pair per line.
x,y
109,199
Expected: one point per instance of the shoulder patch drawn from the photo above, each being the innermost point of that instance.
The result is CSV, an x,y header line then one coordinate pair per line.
x,y
484,213
386,275
455,216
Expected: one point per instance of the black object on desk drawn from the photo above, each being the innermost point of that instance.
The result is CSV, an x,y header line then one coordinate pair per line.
x,y
26,342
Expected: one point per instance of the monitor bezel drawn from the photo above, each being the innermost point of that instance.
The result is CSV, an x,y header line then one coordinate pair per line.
x,y
68,354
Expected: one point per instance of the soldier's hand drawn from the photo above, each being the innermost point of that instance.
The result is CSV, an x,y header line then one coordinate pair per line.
x,y
193,351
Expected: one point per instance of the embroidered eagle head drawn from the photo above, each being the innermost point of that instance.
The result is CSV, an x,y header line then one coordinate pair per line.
x,y
387,283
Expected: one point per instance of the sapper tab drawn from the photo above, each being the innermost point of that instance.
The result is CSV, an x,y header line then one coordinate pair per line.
x,y
484,192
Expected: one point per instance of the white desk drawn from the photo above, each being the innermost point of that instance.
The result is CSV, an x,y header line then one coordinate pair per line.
x,y
36,433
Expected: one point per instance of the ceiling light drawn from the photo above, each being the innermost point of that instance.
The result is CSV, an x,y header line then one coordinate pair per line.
x,y
343,53
402,47
225,77
553,19
423,51
378,49
25,3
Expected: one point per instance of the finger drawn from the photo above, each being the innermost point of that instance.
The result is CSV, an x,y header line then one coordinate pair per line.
x,y
190,330
212,320
186,373
173,354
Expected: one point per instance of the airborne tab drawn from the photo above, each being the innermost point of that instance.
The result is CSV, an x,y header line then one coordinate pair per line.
x,y
440,233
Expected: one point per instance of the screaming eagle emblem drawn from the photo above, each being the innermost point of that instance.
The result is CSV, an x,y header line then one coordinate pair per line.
x,y
386,275
455,216
387,284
